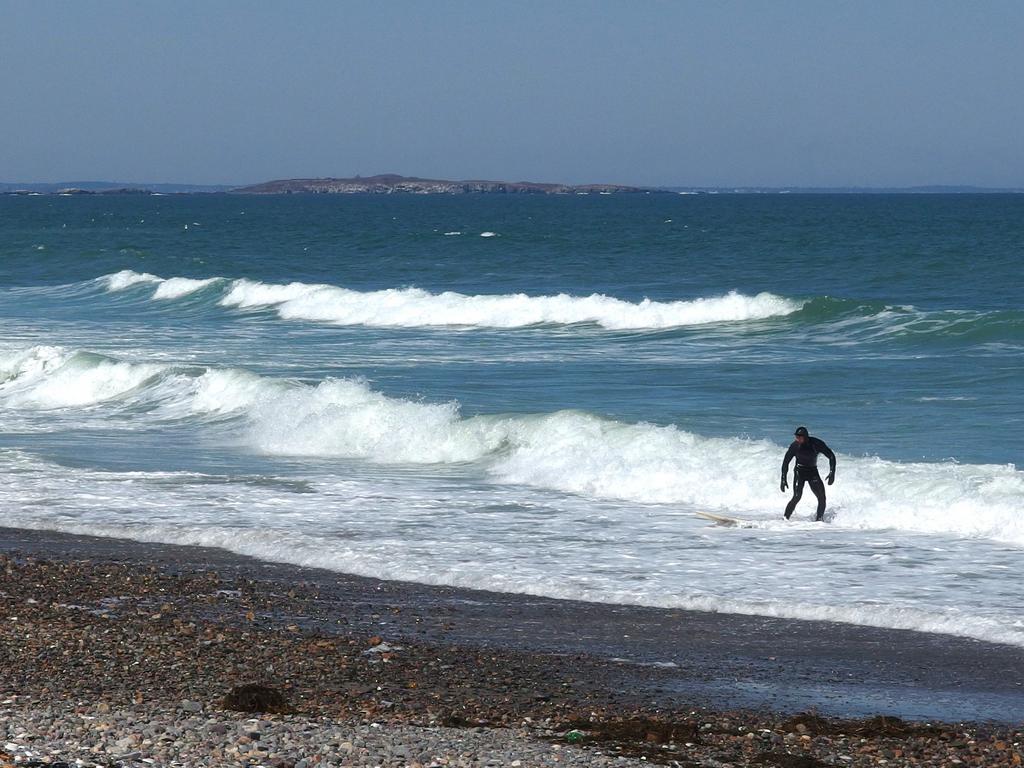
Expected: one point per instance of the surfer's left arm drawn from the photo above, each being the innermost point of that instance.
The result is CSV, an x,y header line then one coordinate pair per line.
x,y
823,448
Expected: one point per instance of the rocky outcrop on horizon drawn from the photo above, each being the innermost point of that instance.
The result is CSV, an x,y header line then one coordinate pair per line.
x,y
388,184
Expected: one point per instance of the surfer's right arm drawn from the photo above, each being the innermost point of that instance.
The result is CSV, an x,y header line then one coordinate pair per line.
x,y
785,469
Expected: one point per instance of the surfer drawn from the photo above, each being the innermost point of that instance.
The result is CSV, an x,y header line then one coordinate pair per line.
x,y
805,449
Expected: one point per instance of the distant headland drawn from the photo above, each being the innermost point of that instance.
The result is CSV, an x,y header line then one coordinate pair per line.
x,y
76,188
391,184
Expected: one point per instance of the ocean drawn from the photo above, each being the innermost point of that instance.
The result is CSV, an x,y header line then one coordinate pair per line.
x,y
535,394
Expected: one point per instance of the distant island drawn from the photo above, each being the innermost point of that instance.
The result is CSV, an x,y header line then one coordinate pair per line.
x,y
391,184
383,184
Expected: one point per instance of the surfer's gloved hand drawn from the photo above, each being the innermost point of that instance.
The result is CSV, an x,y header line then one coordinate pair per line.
x,y
831,477
784,485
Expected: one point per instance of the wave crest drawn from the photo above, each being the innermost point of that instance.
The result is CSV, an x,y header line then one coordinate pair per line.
x,y
414,307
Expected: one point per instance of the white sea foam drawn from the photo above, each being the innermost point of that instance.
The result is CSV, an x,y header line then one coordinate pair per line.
x,y
567,451
644,463
414,307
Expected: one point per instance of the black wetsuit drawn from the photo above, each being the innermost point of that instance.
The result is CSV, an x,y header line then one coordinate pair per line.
x,y
806,456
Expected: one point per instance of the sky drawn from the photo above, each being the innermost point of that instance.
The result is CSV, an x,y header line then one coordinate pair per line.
x,y
723,93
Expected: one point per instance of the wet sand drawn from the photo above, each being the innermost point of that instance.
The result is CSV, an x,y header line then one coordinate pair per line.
x,y
107,619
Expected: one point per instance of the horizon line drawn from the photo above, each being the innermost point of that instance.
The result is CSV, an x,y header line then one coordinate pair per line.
x,y
734,188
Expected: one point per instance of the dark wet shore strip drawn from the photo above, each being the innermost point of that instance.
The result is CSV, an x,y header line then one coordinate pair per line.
x,y
89,621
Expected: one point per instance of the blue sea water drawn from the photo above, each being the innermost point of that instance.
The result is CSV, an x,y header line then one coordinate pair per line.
x,y
534,394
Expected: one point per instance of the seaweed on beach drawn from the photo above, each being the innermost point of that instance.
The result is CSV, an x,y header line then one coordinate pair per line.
x,y
787,760
879,726
882,725
664,742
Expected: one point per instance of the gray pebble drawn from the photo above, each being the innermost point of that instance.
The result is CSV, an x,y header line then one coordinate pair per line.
x,y
152,738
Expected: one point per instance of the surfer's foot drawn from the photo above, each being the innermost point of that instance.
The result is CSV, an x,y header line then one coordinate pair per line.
x,y
819,519
786,515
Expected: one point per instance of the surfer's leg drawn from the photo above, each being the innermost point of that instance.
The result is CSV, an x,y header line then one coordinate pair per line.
x,y
798,491
818,488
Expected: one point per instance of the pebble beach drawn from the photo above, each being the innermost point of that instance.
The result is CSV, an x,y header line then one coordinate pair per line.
x,y
109,660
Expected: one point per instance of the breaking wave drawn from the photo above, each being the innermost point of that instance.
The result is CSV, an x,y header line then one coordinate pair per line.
x,y
573,452
830,319
414,307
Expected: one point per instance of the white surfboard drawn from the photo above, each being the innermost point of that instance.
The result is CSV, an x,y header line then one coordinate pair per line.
x,y
737,522
720,519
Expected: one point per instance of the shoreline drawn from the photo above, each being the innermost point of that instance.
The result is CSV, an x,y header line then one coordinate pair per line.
x,y
120,624
704,651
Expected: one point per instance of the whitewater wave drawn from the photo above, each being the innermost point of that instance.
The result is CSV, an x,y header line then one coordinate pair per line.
x,y
571,452
178,287
414,307
834,320
50,377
